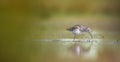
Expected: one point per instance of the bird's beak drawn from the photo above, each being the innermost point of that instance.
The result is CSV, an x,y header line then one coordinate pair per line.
x,y
90,34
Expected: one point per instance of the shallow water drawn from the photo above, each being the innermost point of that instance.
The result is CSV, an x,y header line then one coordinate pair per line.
x,y
59,50
36,40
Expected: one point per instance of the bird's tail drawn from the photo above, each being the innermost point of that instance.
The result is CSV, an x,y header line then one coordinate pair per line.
x,y
69,29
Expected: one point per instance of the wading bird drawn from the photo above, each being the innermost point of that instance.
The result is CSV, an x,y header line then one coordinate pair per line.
x,y
79,29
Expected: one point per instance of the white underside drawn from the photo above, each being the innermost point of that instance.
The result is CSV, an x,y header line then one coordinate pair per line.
x,y
76,32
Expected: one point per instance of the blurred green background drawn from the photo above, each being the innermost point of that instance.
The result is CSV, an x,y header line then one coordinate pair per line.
x,y
23,21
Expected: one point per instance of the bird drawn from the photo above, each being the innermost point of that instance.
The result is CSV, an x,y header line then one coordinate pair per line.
x,y
78,30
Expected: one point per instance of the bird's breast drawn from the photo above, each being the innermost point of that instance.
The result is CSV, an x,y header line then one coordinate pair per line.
x,y
76,32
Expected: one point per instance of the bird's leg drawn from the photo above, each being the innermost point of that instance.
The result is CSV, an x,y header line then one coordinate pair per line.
x,y
78,38
74,38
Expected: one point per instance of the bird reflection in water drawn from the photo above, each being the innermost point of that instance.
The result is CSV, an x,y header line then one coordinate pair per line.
x,y
78,49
